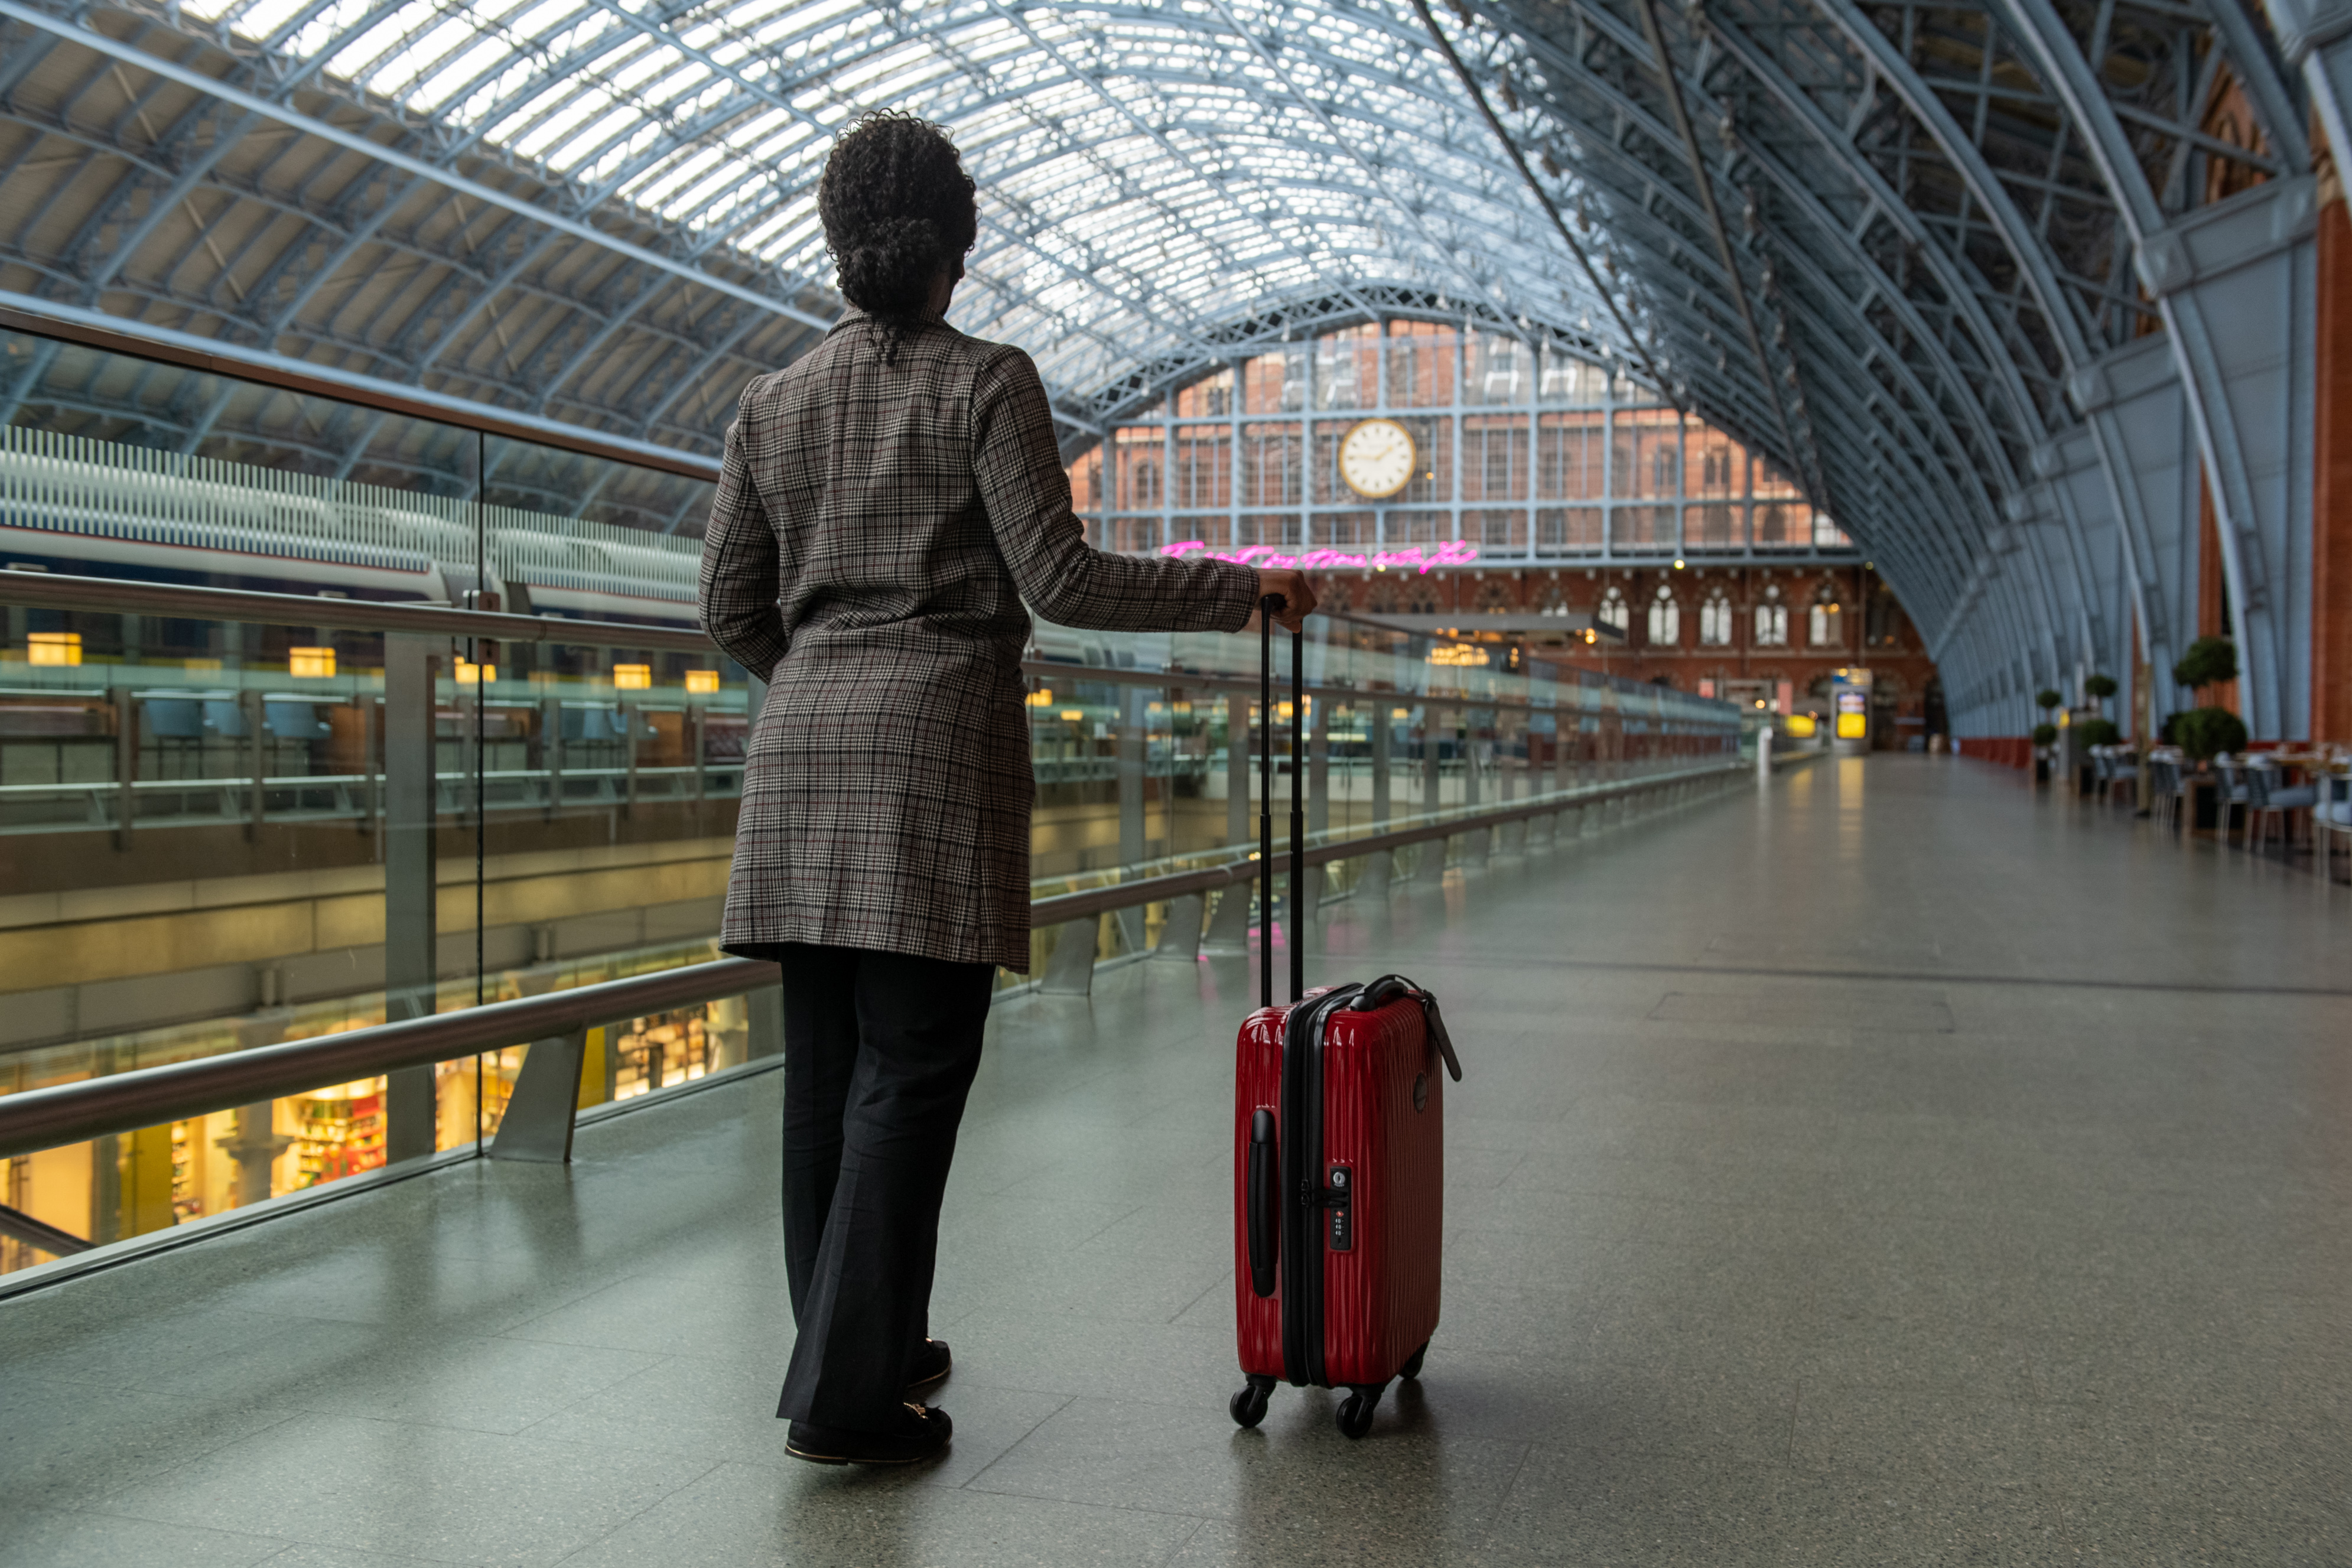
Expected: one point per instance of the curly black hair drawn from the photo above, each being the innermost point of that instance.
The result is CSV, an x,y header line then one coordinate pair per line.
x,y
896,204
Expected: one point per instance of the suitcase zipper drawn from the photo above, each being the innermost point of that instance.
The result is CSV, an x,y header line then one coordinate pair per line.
x,y
1304,1233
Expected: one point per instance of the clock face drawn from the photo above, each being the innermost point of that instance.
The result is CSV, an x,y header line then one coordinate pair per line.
x,y
1376,458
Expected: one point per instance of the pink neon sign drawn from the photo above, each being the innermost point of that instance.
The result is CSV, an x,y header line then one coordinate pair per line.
x,y
1412,558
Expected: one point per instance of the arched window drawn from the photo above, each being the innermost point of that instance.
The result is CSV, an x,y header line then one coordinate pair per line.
x,y
1714,620
1771,620
1824,623
1612,612
1665,619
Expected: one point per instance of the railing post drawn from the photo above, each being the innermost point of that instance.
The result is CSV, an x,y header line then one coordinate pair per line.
x,y
628,711
699,723
1238,769
126,763
1372,881
1228,932
257,751
539,1120
1319,770
1428,867
1070,967
1179,935
1382,740
1133,845
411,818
1432,776
551,752
370,764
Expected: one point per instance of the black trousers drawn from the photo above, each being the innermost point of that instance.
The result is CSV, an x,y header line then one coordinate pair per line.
x,y
879,1053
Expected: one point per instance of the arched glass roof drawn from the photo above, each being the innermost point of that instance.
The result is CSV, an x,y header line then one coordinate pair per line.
x,y
1151,174
1893,247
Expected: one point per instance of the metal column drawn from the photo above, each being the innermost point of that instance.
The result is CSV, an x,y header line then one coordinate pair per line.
x,y
409,966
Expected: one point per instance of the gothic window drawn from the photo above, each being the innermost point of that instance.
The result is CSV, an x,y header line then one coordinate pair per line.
x,y
1771,620
1665,619
1824,622
1494,599
1714,620
1612,612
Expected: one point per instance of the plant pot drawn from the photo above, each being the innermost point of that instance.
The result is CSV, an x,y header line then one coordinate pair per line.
x,y
2041,770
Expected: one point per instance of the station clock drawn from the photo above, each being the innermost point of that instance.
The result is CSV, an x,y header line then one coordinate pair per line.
x,y
1377,458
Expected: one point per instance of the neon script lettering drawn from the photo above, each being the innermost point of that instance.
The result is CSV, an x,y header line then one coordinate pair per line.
x,y
1412,558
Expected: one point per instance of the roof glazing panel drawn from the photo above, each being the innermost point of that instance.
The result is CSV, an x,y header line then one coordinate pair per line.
x,y
1147,172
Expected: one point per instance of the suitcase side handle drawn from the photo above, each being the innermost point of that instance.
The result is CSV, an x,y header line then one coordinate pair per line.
x,y
1263,1201
1387,989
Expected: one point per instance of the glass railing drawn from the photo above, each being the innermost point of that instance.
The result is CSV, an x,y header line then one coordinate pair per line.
x,y
219,833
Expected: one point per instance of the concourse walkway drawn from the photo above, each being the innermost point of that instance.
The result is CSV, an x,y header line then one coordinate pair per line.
x,y
1901,1166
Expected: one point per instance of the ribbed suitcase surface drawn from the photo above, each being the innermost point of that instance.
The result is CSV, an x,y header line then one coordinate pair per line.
x,y
1381,1295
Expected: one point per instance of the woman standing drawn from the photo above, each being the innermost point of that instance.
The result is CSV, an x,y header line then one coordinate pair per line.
x,y
887,504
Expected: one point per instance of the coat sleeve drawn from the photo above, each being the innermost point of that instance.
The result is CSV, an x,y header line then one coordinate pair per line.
x,y
740,581
1027,494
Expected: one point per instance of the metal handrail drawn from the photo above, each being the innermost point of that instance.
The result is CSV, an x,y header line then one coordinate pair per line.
x,y
74,1112
114,595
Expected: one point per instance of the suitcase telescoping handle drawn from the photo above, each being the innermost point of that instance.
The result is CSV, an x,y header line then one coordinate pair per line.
x,y
1266,919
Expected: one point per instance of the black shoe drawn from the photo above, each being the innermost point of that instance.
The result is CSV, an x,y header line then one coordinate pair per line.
x,y
920,1434
928,1364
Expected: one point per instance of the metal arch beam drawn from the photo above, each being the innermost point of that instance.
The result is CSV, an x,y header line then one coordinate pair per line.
x,y
2026,252
490,195
1669,78
1964,295
1800,250
1556,66
1968,161
2258,627
2315,35
1543,197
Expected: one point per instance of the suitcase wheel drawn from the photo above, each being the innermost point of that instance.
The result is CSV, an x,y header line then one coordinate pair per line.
x,y
1356,1410
1411,1367
1248,1406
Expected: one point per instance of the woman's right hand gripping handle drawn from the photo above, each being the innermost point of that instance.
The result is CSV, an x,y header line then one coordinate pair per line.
x,y
1296,594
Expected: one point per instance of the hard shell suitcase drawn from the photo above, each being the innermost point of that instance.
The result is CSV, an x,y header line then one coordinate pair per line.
x,y
1339,1159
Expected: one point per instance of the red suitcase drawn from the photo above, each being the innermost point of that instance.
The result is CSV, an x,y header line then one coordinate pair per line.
x,y
1338,1161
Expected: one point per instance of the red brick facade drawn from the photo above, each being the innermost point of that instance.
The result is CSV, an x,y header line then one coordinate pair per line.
x,y
2331,532
1862,623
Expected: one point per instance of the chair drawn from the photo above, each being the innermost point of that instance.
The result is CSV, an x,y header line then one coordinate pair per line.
x,y
2268,798
2164,781
2331,819
2232,794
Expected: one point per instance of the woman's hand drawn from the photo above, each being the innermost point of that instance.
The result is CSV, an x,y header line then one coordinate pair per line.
x,y
1296,594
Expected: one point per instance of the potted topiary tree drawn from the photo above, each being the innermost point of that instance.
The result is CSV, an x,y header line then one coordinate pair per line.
x,y
2206,733
2098,689
2209,661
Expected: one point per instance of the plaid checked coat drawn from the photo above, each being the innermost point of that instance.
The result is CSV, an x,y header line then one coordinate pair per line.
x,y
876,531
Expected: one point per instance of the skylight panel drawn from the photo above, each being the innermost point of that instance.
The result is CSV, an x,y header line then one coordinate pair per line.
x,y
352,62
472,63
260,20
397,73
655,191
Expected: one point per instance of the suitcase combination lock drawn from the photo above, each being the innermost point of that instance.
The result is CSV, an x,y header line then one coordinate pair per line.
x,y
1336,1201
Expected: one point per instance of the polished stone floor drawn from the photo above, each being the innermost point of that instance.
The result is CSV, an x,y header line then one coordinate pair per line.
x,y
1898,1167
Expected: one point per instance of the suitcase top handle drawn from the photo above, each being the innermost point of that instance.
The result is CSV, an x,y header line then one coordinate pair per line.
x,y
1389,988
